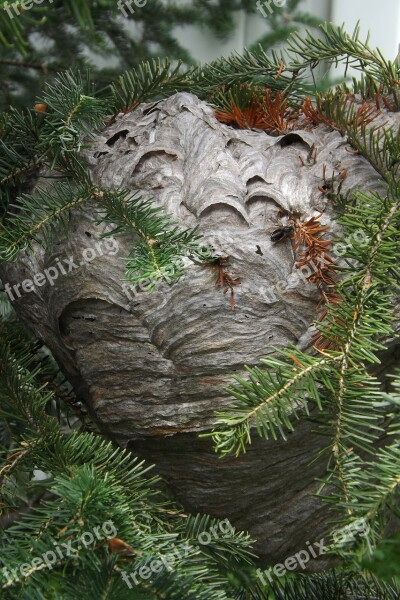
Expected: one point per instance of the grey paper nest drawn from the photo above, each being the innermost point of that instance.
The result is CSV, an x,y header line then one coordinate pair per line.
x,y
152,367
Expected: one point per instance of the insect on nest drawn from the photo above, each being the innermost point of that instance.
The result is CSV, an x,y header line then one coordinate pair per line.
x,y
284,231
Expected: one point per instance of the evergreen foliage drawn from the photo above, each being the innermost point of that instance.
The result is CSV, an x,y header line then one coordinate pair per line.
x,y
89,483
89,480
108,36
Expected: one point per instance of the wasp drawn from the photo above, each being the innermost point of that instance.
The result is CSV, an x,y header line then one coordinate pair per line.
x,y
282,233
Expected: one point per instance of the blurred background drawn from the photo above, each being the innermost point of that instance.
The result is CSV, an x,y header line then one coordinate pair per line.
x,y
381,19
39,38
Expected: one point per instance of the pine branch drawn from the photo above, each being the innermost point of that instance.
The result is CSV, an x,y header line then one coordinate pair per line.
x,y
11,33
36,216
19,395
373,494
72,112
356,323
336,45
273,38
92,483
158,255
255,68
332,585
44,68
89,476
265,400
150,80
379,145
20,157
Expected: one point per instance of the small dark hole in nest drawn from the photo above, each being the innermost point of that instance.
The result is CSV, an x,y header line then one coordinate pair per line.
x,y
259,251
120,134
290,139
88,233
